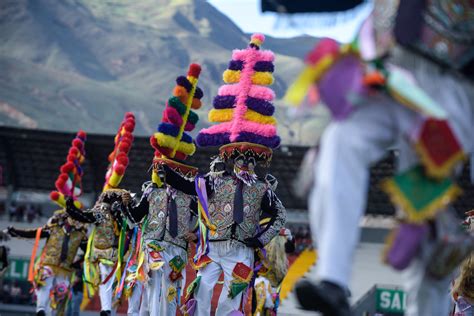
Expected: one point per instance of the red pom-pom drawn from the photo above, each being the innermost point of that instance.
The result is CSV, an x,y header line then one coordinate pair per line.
x,y
82,135
54,195
129,126
73,151
124,147
122,159
120,169
171,115
180,156
77,143
153,141
63,177
194,70
71,158
59,184
67,167
129,114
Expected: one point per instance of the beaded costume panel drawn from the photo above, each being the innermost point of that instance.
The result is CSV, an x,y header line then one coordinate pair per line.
x,y
53,247
221,208
158,219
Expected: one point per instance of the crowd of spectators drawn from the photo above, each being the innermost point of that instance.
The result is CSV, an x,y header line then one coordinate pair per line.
x,y
302,235
22,212
15,292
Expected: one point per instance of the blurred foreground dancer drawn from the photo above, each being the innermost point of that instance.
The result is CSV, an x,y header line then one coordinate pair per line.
x,y
106,245
51,274
166,213
412,96
231,197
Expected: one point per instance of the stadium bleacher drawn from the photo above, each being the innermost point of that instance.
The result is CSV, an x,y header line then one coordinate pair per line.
x,y
30,160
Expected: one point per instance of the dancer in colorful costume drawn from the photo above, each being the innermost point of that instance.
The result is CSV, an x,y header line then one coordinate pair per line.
x,y
229,219
106,245
166,213
417,100
270,276
52,271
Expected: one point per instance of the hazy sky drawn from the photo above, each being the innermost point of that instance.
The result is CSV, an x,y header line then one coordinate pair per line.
x,y
247,15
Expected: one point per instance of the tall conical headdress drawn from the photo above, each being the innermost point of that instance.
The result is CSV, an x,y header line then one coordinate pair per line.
x,y
69,181
118,158
243,106
171,140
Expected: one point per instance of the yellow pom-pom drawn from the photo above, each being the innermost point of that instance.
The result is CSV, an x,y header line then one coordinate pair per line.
x,y
262,78
220,115
259,118
231,76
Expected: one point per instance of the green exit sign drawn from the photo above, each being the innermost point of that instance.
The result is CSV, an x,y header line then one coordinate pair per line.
x,y
390,300
17,269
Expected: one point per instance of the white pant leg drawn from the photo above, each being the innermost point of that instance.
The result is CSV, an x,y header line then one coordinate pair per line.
x,y
144,305
209,277
338,198
134,300
106,290
42,295
238,253
169,308
154,292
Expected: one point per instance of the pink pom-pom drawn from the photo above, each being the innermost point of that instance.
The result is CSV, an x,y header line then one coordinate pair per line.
x,y
325,47
258,37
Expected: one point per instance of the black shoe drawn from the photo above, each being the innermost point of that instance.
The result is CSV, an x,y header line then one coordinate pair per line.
x,y
40,313
325,297
105,313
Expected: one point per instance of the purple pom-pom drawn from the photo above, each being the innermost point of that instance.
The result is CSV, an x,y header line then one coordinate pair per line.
x,y
266,66
184,82
236,65
224,101
207,140
272,142
168,129
260,106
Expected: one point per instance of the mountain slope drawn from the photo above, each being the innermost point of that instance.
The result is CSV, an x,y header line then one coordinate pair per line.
x,y
81,63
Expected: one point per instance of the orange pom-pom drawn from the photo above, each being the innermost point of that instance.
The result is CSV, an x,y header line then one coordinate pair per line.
x,y
196,105
194,70
181,93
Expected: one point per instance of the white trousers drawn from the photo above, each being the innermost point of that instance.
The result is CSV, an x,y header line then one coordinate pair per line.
x,y
134,300
159,285
42,293
225,256
106,290
349,147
